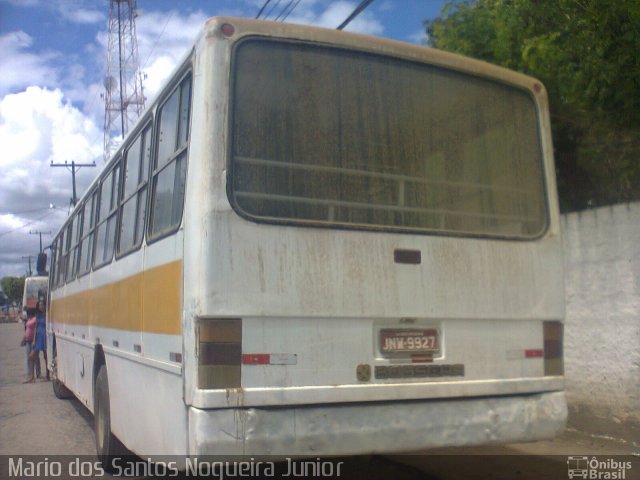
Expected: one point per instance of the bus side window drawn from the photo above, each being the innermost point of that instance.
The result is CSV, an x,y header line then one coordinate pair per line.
x,y
77,241
134,192
106,229
170,165
53,266
60,257
86,243
67,249
73,239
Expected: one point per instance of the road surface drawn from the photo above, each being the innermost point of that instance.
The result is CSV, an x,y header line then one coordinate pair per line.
x,y
34,422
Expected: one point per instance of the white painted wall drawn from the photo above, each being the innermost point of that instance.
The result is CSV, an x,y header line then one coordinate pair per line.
x,y
602,332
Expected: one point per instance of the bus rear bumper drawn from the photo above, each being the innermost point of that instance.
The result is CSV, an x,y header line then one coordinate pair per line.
x,y
364,428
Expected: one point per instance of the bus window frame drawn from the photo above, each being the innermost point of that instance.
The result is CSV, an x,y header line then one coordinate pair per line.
x,y
305,223
77,220
148,121
60,247
112,212
185,72
52,264
86,233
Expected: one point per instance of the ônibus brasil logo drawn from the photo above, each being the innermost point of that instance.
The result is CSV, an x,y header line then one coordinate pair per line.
x,y
597,469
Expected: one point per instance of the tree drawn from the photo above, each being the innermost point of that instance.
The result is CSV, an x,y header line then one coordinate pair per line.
x,y
587,53
13,287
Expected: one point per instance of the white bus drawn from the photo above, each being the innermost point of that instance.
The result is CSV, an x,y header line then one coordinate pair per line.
x,y
35,289
318,243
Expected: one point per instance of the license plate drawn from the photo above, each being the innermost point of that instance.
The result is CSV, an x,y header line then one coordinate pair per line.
x,y
409,341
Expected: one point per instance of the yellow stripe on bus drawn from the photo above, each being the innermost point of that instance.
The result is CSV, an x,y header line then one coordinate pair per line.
x,y
149,302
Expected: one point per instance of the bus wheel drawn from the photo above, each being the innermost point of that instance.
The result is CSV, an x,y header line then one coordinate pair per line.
x,y
107,445
59,390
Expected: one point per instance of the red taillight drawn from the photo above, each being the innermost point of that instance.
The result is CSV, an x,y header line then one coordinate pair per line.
x,y
227,29
219,353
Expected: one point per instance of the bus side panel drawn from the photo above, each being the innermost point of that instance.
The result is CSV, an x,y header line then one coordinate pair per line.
x,y
149,415
134,314
147,388
70,322
74,367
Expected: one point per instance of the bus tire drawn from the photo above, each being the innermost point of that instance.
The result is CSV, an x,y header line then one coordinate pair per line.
x,y
59,390
107,445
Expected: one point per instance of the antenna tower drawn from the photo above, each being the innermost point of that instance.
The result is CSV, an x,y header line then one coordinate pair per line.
x,y
123,97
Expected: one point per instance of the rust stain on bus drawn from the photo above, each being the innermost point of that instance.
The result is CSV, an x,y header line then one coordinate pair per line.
x,y
148,302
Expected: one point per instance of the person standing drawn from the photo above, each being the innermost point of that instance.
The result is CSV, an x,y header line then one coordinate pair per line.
x,y
40,341
27,341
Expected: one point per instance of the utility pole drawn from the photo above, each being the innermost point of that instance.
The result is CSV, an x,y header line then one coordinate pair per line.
x,y
123,97
29,272
40,233
74,166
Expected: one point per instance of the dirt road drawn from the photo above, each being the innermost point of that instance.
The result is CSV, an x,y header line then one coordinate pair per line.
x,y
34,422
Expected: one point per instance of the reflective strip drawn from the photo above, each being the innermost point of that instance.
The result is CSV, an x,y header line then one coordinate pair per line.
x,y
534,353
269,359
255,359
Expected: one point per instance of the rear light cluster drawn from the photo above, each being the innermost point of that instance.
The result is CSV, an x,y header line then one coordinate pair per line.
x,y
552,335
219,353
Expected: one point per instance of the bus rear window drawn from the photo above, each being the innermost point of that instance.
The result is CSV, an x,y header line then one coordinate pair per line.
x,y
342,138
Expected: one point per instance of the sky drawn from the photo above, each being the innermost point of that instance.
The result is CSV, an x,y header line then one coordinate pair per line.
x,y
52,65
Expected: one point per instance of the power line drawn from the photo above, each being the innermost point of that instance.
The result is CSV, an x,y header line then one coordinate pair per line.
x,y
272,9
263,7
33,210
28,223
363,4
155,44
286,7
291,10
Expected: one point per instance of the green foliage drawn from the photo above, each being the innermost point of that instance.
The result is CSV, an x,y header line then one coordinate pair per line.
x,y
587,53
13,287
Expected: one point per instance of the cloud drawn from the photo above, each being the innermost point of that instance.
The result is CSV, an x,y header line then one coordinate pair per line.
x,y
38,126
39,122
23,3
420,37
163,41
74,13
21,68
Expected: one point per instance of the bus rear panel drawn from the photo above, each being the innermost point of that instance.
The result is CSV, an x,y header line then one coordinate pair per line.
x,y
384,270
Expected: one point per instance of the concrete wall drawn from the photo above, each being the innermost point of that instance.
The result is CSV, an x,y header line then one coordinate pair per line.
x,y
602,331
